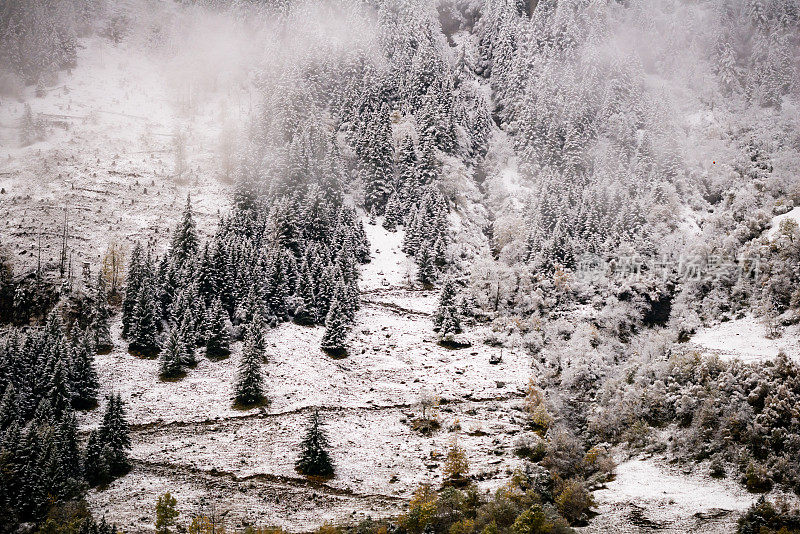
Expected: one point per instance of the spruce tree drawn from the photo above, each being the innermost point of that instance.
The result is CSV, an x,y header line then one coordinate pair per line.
x,y
249,388
9,408
83,375
188,337
144,324
69,454
314,459
217,338
101,328
447,320
96,468
426,269
115,434
336,322
184,241
132,287
172,356
60,395
393,215
407,176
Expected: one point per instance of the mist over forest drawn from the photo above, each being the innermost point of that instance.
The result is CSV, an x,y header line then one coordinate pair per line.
x,y
399,266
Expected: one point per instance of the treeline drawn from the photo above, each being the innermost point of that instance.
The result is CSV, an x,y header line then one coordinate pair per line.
x,y
39,37
46,376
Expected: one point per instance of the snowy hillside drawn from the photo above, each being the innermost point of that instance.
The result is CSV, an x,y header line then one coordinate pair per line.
x,y
399,267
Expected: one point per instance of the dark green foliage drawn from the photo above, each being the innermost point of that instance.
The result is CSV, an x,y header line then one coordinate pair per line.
x,y
172,356
217,338
426,269
136,274
96,460
145,322
334,341
184,241
249,387
83,375
314,459
114,435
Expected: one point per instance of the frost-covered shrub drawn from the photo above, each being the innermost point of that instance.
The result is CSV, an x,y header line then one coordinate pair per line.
x,y
573,500
757,478
764,517
530,446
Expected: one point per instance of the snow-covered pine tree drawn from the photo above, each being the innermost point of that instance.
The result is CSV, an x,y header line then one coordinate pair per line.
x,y
407,175
249,387
426,267
336,323
188,337
377,162
447,321
217,338
95,464
144,322
101,328
59,393
9,408
172,356
83,377
305,312
134,283
185,243
314,459
394,213
115,434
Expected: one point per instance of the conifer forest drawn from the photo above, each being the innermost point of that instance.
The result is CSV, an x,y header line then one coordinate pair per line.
x,y
399,266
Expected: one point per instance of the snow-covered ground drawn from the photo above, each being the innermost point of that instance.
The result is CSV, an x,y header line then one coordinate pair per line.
x,y
792,215
746,339
647,496
107,158
188,439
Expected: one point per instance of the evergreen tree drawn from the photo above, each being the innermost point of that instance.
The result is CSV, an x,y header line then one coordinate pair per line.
x,y
83,375
144,322
101,328
172,356
394,213
115,434
335,337
9,408
249,388
96,468
68,451
188,338
135,277
447,320
426,269
407,175
377,161
60,395
217,338
314,459
184,241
